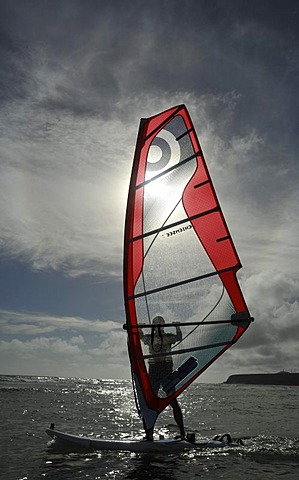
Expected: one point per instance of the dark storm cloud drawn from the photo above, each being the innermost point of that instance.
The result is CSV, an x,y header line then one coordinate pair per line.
x,y
15,60
108,49
70,42
93,54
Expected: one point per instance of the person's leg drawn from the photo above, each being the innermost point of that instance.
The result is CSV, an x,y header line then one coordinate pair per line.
x,y
154,375
178,416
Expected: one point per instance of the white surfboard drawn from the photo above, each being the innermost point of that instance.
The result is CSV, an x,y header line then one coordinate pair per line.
x,y
139,445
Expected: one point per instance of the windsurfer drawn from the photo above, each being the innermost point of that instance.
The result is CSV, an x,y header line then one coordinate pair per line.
x,y
160,367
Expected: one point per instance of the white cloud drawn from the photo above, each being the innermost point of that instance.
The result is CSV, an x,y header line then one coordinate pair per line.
x,y
30,348
269,290
271,342
60,209
21,323
64,179
77,340
49,355
112,349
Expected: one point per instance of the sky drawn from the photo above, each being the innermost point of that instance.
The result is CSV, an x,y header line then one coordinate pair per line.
x,y
76,77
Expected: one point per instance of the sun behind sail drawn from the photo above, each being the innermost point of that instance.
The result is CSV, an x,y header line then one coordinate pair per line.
x,y
179,261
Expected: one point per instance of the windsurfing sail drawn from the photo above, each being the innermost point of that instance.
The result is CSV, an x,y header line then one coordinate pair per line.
x,y
179,263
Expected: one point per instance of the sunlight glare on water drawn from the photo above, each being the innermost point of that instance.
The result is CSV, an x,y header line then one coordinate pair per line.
x,y
266,418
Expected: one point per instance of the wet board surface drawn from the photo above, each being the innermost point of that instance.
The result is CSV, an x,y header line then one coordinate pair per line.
x,y
137,445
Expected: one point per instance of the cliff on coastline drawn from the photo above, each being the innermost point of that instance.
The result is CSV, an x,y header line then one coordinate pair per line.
x,y
280,378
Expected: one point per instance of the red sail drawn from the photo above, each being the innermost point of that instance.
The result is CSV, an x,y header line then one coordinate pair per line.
x,y
179,262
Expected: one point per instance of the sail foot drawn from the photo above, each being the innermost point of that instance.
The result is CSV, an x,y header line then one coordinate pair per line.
x,y
148,415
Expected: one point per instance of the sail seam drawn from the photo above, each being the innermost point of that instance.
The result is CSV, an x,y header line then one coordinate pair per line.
x,y
184,282
179,164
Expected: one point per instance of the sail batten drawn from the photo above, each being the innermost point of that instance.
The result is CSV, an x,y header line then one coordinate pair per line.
x,y
198,324
175,224
165,172
180,263
187,350
202,184
185,133
184,282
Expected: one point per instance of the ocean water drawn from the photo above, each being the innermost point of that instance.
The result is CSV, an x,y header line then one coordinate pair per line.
x,y
266,418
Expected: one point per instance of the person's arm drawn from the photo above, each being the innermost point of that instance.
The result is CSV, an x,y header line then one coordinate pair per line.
x,y
144,338
178,335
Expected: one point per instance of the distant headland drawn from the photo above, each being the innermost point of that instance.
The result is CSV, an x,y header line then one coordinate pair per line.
x,y
280,378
